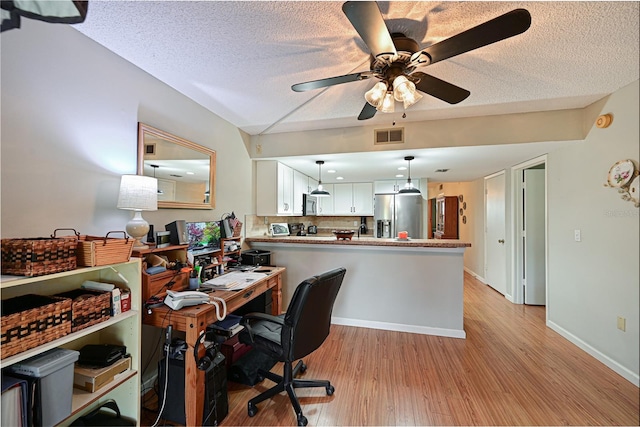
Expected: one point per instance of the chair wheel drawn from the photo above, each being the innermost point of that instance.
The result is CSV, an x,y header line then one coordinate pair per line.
x,y
259,378
303,368
330,390
302,420
252,410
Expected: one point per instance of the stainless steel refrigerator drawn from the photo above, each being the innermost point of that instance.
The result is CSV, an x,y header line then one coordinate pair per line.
x,y
398,212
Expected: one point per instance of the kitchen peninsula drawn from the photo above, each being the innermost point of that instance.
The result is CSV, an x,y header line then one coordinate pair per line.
x,y
413,286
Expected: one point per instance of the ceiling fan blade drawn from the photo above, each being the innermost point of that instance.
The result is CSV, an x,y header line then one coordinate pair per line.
x,y
368,111
440,89
331,81
366,18
508,25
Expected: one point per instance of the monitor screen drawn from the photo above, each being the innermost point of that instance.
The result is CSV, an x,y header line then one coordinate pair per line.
x,y
203,235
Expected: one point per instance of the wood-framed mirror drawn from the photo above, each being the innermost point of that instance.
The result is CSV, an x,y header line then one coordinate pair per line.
x,y
185,170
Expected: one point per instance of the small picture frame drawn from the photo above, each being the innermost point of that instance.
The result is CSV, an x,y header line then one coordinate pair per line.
x,y
460,198
464,219
464,205
461,212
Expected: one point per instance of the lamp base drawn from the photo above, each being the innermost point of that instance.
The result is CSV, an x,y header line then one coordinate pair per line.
x,y
137,228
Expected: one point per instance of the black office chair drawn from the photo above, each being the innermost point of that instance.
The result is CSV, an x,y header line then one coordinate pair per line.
x,y
293,335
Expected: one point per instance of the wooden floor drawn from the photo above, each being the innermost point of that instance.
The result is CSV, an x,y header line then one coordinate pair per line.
x,y
511,370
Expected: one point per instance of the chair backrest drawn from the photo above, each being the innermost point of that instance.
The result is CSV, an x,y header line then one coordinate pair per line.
x,y
308,317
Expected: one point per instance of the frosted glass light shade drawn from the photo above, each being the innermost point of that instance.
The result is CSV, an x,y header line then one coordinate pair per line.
x,y
376,94
405,91
388,104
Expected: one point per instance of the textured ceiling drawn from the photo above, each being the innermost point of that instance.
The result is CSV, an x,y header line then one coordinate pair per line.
x,y
239,59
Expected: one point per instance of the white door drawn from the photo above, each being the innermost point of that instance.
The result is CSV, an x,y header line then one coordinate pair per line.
x,y
495,262
534,273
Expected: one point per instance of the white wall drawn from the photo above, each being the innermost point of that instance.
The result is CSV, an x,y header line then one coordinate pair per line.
x,y
593,281
69,130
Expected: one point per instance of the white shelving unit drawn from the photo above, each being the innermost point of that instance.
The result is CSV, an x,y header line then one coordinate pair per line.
x,y
123,329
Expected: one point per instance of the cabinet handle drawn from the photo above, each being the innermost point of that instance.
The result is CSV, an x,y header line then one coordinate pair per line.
x,y
501,241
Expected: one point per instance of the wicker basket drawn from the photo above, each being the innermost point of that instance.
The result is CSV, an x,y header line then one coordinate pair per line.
x,y
95,251
88,307
32,320
38,256
237,229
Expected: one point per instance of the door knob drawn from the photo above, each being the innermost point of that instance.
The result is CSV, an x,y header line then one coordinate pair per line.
x,y
500,240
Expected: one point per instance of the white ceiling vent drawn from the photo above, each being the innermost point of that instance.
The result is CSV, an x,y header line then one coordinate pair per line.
x,y
389,136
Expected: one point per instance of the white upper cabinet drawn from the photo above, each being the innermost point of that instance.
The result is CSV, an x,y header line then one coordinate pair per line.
x,y
353,198
274,188
300,187
325,204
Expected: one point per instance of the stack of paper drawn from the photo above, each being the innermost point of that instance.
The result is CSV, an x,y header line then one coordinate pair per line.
x,y
234,281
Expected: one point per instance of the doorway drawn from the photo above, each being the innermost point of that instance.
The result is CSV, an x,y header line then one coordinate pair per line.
x,y
530,232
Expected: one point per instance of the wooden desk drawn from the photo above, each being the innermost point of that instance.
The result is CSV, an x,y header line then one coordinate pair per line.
x,y
193,320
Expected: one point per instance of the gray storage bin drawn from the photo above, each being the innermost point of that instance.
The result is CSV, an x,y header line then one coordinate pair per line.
x,y
54,368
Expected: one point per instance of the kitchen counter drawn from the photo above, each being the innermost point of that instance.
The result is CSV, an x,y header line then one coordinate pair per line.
x,y
360,241
412,286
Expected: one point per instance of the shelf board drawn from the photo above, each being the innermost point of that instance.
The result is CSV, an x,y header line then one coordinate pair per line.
x,y
9,281
82,398
67,338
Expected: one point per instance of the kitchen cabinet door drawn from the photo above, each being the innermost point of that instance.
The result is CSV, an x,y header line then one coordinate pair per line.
x,y
386,186
353,199
285,190
343,199
363,198
325,204
300,186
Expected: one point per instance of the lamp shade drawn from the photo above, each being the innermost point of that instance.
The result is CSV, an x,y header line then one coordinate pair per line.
x,y
138,193
376,94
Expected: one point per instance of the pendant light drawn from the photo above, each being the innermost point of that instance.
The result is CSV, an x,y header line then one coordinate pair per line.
x,y
320,192
154,175
408,187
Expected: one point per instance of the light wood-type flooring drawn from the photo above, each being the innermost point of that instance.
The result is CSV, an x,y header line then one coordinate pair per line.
x,y
510,370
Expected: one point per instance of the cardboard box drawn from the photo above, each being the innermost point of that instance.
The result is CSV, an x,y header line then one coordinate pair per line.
x,y
92,379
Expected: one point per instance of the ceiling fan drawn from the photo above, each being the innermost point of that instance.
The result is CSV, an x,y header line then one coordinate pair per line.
x,y
395,57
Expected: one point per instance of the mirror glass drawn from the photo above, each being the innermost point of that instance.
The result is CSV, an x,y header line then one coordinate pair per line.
x,y
185,170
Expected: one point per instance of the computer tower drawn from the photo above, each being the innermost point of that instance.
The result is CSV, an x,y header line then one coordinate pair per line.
x,y
216,403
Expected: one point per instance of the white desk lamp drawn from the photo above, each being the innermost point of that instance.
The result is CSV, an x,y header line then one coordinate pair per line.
x,y
138,193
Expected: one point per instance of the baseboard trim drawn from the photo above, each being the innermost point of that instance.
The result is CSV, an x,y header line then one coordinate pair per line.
x,y
477,276
424,330
148,383
630,376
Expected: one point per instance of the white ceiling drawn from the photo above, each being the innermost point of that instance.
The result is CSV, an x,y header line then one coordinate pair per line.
x,y
239,60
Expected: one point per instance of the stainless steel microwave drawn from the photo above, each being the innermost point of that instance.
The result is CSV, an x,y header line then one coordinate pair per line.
x,y
309,205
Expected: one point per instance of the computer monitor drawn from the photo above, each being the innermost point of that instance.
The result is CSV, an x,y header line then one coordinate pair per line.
x,y
203,235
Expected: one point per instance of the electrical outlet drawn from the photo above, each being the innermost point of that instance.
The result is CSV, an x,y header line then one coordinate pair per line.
x,y
622,324
577,235
266,220
355,223
258,148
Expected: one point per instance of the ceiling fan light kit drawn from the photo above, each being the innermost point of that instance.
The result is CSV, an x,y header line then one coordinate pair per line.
x,y
395,57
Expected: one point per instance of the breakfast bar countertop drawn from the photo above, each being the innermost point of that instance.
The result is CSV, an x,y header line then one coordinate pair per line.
x,y
360,241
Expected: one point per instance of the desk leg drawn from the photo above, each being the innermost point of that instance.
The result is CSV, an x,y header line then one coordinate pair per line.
x,y
193,381
276,297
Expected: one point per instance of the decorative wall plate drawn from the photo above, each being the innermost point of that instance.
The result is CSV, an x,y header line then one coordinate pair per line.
x,y
464,219
634,191
621,173
464,205
460,198
461,212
